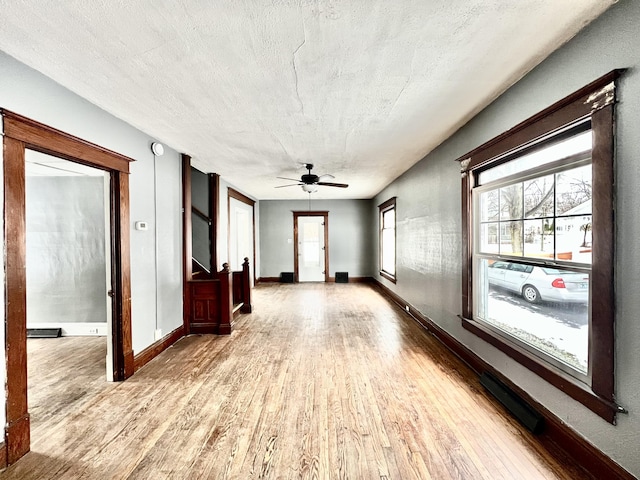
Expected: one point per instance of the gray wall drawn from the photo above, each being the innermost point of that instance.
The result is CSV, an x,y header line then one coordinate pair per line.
x,y
350,234
155,191
428,209
66,275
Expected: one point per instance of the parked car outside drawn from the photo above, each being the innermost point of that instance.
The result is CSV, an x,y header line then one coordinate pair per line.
x,y
537,284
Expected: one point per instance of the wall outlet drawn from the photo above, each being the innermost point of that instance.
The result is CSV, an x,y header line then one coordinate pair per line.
x,y
157,334
93,331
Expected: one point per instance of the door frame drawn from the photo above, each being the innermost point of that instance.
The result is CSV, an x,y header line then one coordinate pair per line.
x,y
233,193
312,213
21,133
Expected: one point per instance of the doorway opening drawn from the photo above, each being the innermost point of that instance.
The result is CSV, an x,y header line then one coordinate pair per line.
x,y
68,262
311,246
20,136
68,249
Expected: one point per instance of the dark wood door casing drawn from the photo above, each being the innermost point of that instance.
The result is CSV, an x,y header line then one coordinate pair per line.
x,y
21,133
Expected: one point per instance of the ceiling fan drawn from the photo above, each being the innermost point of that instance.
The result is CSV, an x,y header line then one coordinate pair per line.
x,y
310,182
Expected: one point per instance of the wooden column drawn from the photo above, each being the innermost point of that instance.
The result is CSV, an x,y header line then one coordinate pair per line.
x,y
17,430
226,299
246,287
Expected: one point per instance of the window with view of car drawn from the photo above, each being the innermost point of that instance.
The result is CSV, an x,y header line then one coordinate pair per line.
x,y
388,239
538,250
535,210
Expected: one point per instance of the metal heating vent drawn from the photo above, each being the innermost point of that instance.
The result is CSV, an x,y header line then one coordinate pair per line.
x,y
342,277
520,409
44,332
286,277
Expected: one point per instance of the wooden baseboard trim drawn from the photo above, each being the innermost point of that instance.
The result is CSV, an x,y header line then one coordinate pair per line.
x,y
268,280
556,433
155,349
354,279
331,280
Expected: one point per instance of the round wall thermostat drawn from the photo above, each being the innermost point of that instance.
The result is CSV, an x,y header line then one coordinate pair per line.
x,y
157,149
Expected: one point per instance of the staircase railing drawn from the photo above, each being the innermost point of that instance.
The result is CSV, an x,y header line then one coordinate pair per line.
x,y
213,302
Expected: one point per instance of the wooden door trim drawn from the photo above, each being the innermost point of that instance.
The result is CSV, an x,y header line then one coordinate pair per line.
x,y
187,241
312,213
233,193
21,133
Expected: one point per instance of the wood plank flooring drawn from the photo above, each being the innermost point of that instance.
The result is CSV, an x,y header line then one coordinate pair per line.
x,y
322,381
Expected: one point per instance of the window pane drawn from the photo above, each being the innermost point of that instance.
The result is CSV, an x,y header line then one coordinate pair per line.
x,y
511,238
539,238
538,197
389,219
573,239
557,151
573,191
389,251
489,241
544,308
511,202
489,206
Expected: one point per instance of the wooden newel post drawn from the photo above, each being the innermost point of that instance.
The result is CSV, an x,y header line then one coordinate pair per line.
x,y
246,287
226,299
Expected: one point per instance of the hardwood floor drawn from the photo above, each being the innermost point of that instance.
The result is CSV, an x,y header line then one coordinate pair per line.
x,y
326,381
63,374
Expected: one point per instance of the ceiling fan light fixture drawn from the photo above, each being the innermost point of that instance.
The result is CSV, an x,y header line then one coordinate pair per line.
x,y
310,188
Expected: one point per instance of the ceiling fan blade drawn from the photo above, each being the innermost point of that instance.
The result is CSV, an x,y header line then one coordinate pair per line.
x,y
292,179
326,176
290,185
329,184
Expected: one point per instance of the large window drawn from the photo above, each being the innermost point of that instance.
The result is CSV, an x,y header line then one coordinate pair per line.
x,y
388,239
532,250
538,259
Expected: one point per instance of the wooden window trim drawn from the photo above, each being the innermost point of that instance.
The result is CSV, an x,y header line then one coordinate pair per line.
x,y
382,208
233,193
594,102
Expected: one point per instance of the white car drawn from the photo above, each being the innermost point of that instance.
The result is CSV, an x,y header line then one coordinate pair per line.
x,y
540,283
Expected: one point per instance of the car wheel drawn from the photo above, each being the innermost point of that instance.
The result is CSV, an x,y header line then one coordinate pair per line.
x,y
530,294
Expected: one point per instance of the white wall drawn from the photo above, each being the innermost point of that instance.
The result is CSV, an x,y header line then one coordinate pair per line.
x,y
429,230
350,234
155,191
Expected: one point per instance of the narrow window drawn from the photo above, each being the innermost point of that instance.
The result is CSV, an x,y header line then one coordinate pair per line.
x,y
388,239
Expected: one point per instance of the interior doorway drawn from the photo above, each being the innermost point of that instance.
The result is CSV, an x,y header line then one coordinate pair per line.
x,y
311,246
22,134
68,250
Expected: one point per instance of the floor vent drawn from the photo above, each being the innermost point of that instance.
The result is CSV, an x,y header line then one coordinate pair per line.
x,y
286,277
44,332
342,277
521,410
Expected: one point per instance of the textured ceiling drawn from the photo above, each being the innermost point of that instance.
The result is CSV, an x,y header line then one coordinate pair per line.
x,y
362,89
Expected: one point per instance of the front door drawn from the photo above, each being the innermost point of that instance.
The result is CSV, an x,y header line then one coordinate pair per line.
x,y
311,247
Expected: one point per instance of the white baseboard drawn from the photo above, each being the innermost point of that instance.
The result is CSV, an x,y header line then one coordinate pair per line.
x,y
75,329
